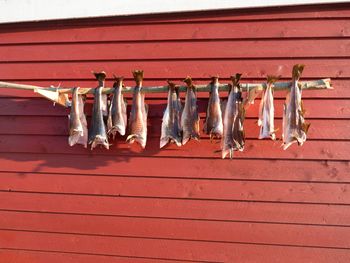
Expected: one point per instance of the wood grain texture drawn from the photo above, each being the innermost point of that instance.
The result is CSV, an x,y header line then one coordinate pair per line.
x,y
260,149
42,256
179,188
68,204
209,49
178,69
317,236
212,210
181,250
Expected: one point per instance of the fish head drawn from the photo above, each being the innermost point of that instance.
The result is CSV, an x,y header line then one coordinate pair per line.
x,y
100,140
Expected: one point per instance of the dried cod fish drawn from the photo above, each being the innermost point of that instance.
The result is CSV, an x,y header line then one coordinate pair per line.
x,y
138,114
267,111
190,117
294,126
171,125
97,132
78,133
213,123
117,118
233,136
252,94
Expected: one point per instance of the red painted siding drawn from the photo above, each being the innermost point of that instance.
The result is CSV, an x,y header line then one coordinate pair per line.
x,y
63,204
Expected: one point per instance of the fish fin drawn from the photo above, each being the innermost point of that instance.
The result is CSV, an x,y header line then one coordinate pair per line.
x,y
226,152
185,140
163,141
305,127
195,136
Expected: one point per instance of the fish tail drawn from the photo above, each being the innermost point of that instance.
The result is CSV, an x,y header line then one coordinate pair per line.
x,y
272,79
236,78
297,71
163,141
188,81
185,139
138,76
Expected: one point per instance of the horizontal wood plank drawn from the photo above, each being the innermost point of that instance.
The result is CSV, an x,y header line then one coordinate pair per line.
x,y
188,30
258,233
261,149
239,211
181,250
258,169
177,50
316,68
179,188
40,256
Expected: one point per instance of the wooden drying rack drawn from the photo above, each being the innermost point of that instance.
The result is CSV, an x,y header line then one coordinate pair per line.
x,y
59,95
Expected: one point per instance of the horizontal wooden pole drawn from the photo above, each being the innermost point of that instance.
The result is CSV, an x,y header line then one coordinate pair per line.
x,y
310,85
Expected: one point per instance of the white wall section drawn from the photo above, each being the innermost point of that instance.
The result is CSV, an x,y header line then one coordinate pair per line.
x,y
33,10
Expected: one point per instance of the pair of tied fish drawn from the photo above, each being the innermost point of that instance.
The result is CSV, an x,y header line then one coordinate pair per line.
x,y
78,132
294,126
233,138
117,116
179,124
225,120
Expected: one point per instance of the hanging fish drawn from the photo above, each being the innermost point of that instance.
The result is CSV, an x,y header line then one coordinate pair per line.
x,y
97,132
238,128
190,118
171,125
233,135
78,132
294,126
267,111
213,123
138,114
117,119
252,94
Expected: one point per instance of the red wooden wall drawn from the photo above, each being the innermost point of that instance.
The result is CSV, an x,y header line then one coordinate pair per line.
x,y
62,204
